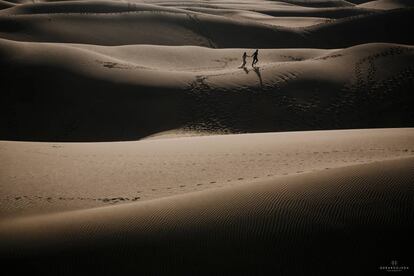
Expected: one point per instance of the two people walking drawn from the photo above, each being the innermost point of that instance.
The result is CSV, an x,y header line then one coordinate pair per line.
x,y
254,56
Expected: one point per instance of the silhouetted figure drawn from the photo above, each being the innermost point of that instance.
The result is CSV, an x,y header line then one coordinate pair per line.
x,y
244,60
255,59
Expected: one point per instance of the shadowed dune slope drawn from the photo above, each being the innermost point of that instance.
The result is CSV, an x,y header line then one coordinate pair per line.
x,y
115,23
277,9
388,4
320,3
359,214
379,27
331,9
84,7
91,93
359,1
5,4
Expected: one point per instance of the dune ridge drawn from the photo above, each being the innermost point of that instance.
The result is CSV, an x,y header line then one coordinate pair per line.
x,y
63,22
187,89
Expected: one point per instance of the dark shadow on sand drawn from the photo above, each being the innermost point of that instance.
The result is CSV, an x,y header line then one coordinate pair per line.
x,y
256,69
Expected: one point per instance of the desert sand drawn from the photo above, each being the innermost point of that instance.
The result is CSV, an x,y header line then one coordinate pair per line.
x,y
195,89
198,204
133,142
113,173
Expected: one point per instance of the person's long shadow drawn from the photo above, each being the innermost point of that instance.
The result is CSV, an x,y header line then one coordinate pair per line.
x,y
257,71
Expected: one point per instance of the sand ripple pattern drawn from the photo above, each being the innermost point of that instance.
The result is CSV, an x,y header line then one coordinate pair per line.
x,y
348,211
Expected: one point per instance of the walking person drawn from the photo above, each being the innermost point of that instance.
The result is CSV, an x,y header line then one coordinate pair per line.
x,y
255,59
244,60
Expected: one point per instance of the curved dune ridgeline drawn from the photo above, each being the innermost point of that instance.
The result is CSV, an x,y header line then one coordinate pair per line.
x,y
90,93
115,23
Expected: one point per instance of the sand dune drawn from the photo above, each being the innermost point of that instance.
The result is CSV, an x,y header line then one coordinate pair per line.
x,y
261,17
387,4
136,91
327,190
349,211
198,204
380,27
359,1
276,8
321,3
5,4
111,173
116,23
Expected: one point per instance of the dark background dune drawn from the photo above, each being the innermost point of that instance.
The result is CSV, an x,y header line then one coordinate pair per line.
x,y
115,24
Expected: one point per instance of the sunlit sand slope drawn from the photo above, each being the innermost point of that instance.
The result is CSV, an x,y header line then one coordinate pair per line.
x,y
38,178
